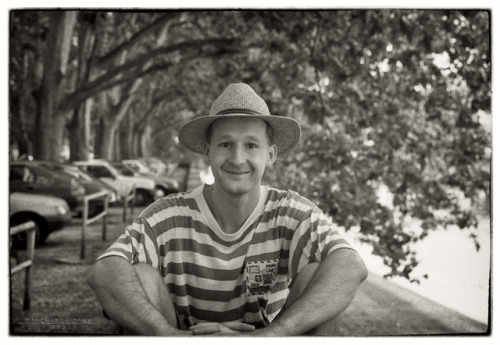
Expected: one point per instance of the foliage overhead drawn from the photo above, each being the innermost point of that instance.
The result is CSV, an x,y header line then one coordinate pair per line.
x,y
388,100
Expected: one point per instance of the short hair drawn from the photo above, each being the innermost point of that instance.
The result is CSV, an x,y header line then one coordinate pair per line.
x,y
269,132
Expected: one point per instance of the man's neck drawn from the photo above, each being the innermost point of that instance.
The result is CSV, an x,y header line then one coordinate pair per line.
x,y
231,211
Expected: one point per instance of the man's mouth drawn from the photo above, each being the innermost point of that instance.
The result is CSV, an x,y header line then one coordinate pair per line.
x,y
235,172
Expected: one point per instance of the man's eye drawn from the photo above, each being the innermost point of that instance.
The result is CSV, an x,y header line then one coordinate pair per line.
x,y
251,146
224,145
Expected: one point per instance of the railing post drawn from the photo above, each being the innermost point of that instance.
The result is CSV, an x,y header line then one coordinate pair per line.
x,y
86,221
125,207
84,227
128,199
105,219
30,251
29,228
132,202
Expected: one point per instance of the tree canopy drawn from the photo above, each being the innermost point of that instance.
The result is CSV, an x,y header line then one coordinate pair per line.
x,y
386,98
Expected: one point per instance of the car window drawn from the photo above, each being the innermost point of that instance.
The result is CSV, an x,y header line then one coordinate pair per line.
x,y
124,171
21,174
133,166
83,176
42,181
99,171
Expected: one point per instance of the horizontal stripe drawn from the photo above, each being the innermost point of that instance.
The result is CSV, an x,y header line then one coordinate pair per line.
x,y
209,262
166,222
187,245
202,235
205,271
279,232
202,271
276,307
175,225
204,303
208,294
217,295
202,283
224,316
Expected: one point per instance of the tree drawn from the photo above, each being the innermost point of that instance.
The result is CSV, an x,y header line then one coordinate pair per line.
x,y
388,99
383,111
133,58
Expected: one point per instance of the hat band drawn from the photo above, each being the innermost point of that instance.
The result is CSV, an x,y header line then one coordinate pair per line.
x,y
239,111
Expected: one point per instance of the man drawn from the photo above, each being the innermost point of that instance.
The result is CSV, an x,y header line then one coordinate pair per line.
x,y
234,257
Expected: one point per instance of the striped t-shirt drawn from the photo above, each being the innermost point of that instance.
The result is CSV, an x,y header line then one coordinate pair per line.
x,y
214,276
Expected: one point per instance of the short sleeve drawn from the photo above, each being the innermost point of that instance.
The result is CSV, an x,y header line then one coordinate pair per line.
x,y
137,244
315,238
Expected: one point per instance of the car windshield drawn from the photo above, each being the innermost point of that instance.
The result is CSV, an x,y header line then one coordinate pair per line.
x,y
122,169
84,176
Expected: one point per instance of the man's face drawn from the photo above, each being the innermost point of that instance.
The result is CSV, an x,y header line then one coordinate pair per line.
x,y
239,151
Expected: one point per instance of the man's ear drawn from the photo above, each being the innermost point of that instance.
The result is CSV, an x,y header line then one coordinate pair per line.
x,y
272,155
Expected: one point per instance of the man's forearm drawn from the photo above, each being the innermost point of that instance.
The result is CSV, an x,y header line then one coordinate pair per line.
x,y
119,292
331,289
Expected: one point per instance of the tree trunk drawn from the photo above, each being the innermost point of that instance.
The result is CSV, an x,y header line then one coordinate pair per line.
x,y
80,124
136,149
51,122
106,136
126,134
25,144
79,133
113,119
145,141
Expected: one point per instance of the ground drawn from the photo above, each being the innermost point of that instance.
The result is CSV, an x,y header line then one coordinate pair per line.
x,y
62,302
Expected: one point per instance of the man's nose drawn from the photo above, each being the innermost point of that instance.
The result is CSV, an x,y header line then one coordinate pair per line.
x,y
238,155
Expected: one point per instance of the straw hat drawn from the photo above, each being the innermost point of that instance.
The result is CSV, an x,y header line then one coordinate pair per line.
x,y
240,101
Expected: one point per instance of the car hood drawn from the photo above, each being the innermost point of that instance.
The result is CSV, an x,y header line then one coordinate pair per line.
x,y
27,201
140,182
166,181
92,187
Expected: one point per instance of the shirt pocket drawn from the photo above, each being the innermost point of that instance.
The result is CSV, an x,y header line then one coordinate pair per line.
x,y
260,276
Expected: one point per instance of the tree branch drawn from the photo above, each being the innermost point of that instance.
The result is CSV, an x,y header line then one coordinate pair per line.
x,y
165,19
123,74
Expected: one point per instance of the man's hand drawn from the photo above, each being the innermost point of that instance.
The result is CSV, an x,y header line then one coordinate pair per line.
x,y
224,328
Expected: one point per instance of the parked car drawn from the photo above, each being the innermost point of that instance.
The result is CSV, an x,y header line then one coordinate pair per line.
x,y
145,188
158,190
138,166
166,184
30,177
92,185
156,166
49,213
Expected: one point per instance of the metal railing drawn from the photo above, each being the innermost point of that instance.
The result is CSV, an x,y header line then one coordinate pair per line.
x,y
30,228
86,221
128,202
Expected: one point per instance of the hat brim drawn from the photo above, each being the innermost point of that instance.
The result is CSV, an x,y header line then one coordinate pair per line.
x,y
286,131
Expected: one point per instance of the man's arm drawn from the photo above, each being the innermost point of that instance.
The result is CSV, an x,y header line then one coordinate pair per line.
x,y
330,291
119,292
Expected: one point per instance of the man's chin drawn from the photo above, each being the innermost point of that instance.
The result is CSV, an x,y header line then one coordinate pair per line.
x,y
237,189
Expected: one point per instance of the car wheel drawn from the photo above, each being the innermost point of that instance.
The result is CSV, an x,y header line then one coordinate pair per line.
x,y
20,240
141,198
